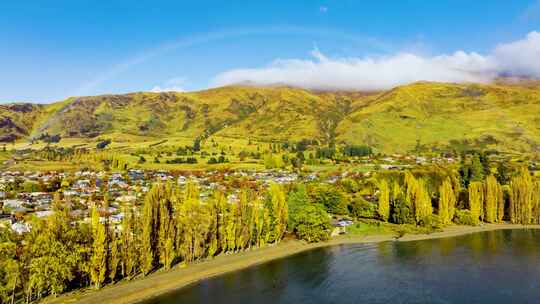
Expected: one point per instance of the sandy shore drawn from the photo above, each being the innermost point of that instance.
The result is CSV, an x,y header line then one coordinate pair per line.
x,y
166,281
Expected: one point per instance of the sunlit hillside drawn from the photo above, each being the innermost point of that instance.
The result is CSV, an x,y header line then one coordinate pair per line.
x,y
502,116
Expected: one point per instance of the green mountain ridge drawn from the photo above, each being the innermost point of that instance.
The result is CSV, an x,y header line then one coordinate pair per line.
x,y
503,116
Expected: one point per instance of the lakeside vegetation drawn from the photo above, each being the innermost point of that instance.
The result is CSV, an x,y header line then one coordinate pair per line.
x,y
174,225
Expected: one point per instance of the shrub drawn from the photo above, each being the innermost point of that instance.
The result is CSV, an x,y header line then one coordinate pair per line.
x,y
432,221
464,217
361,208
102,144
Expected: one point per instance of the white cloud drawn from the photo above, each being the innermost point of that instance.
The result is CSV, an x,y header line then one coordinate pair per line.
x,y
383,72
172,85
520,57
323,9
158,89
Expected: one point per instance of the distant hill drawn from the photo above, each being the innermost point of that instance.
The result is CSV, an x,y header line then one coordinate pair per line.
x,y
504,116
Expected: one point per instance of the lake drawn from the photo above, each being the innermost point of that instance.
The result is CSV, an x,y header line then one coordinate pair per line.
x,y
488,267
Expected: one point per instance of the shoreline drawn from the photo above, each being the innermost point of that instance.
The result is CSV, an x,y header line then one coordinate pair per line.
x,y
162,282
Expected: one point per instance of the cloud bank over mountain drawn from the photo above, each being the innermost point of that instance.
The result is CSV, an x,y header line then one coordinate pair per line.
x,y
517,58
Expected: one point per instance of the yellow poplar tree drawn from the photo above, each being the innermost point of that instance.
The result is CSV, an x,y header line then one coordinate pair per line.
x,y
521,198
384,200
98,261
410,191
536,202
493,200
422,208
279,214
476,200
447,202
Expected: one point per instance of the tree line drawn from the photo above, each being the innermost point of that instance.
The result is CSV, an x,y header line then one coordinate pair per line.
x,y
176,224
172,226
410,199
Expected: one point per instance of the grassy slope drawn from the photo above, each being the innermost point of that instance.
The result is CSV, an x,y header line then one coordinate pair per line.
x,y
435,114
502,116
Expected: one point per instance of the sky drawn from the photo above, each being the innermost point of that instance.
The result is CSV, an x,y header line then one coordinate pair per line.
x,y
50,50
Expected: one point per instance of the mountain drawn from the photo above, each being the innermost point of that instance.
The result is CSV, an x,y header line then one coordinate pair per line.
x,y
502,115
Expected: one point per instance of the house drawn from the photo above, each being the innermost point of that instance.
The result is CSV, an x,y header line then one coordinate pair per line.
x,y
45,213
82,184
20,227
126,198
13,203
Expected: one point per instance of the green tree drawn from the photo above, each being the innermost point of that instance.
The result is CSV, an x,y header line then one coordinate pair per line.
x,y
331,197
477,169
296,198
312,223
10,267
98,262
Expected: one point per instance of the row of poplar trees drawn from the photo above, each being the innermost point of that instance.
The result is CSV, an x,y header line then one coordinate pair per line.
x,y
485,201
172,226
176,226
517,202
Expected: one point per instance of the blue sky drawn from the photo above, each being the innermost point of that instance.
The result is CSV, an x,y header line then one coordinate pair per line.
x,y
54,49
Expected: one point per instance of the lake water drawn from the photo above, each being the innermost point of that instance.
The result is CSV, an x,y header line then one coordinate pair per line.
x,y
489,267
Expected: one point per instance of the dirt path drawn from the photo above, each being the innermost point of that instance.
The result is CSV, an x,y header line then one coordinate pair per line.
x,y
165,281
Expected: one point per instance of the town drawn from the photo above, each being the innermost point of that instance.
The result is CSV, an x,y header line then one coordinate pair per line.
x,y
27,194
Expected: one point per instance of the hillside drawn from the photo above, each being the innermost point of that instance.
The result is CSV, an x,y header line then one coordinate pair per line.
x,y
505,116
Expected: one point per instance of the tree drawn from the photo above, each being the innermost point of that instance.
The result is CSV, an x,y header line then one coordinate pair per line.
x,y
410,190
536,202
277,205
494,204
273,161
477,169
193,224
129,244
521,198
149,223
296,198
331,197
114,258
422,208
98,262
447,202
503,173
10,267
476,201
166,235
197,144
312,223
384,200
56,252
